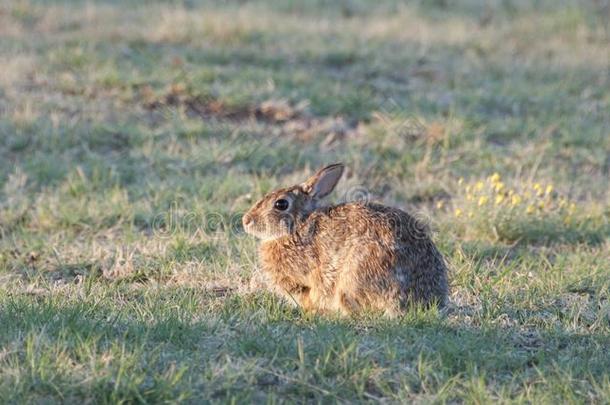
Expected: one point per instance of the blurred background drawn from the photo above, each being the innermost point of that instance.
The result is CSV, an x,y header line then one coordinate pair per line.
x,y
133,134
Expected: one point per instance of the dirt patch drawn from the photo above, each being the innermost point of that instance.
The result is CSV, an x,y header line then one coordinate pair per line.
x,y
282,116
208,107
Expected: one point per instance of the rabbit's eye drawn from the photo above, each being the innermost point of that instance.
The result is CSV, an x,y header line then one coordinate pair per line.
x,y
281,205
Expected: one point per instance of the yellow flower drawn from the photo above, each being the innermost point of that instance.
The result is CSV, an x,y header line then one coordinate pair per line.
x,y
483,200
461,181
499,186
479,185
549,189
530,209
538,189
516,199
499,199
458,212
494,178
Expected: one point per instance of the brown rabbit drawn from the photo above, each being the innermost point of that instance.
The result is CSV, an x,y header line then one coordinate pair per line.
x,y
347,257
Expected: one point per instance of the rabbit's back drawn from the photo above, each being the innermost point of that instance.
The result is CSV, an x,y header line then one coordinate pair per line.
x,y
359,255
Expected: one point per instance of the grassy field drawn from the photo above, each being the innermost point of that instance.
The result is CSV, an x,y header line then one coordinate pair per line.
x,y
134,134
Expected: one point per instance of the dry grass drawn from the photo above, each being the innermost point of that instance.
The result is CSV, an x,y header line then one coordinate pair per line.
x,y
132,139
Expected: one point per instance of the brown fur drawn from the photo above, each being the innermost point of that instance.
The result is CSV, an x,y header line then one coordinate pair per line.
x,y
346,257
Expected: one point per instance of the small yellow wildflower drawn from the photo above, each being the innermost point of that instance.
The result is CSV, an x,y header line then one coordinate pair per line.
x,y
499,186
479,185
461,181
516,199
549,189
530,209
538,189
458,212
483,200
494,178
499,199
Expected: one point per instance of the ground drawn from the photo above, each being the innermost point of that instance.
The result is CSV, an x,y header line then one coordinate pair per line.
x,y
133,135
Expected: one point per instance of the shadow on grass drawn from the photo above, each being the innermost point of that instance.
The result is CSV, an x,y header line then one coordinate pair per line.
x,y
144,345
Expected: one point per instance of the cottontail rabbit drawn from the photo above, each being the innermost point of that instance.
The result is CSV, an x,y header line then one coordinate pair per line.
x,y
347,257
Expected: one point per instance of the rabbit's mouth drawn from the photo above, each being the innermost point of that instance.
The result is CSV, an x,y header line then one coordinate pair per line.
x,y
266,236
251,229
268,231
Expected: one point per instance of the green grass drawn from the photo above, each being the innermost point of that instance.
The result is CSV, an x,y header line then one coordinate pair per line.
x,y
133,135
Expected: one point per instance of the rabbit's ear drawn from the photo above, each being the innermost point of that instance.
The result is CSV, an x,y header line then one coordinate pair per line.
x,y
324,181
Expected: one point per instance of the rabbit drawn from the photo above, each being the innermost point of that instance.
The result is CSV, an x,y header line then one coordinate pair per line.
x,y
345,258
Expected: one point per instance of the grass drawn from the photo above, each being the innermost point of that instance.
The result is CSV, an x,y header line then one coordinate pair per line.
x,y
133,136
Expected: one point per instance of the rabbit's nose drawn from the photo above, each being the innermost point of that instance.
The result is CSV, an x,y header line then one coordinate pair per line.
x,y
246,220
